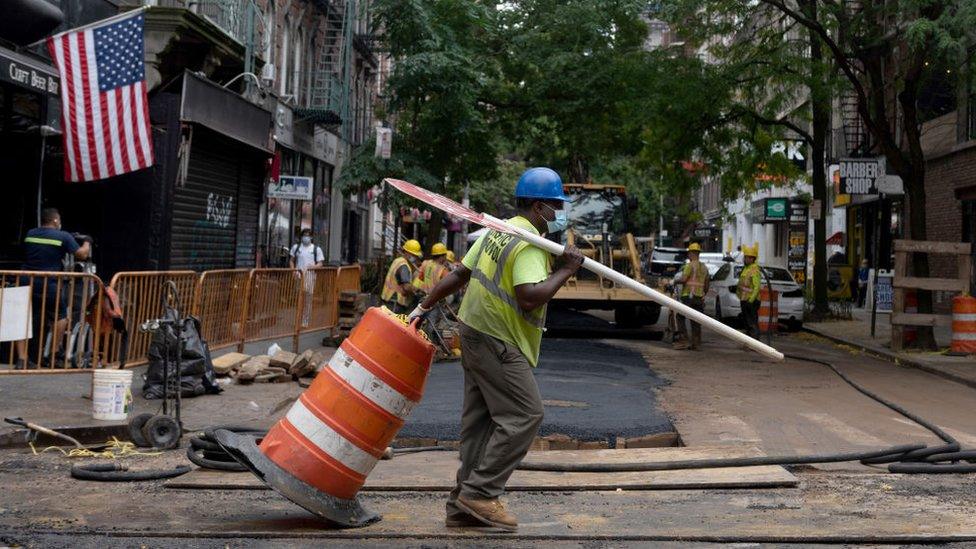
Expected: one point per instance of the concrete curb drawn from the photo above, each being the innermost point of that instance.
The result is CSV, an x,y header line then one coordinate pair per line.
x,y
893,357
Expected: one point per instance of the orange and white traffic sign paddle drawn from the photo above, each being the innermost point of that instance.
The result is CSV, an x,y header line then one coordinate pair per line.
x,y
321,452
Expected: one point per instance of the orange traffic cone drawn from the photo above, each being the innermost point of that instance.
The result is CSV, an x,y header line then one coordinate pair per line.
x,y
963,325
321,452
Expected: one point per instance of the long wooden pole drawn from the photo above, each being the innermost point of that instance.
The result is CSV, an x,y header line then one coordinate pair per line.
x,y
658,297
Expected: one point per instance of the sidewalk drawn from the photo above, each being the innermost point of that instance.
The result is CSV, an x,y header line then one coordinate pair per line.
x,y
857,333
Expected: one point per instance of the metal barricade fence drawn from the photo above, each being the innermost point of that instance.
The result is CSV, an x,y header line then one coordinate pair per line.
x,y
141,298
319,302
235,306
49,310
274,304
220,302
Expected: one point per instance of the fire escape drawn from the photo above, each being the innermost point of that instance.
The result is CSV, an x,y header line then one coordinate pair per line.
x,y
332,77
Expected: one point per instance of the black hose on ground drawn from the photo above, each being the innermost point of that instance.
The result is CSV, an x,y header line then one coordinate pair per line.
x,y
911,458
116,472
205,452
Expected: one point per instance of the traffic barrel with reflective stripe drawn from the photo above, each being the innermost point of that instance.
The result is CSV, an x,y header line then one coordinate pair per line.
x,y
321,452
768,310
963,325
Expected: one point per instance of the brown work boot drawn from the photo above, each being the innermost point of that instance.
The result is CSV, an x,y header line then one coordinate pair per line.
x,y
456,518
680,345
490,512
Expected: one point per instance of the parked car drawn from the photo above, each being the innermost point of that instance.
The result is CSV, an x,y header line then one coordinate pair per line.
x,y
664,264
714,260
722,303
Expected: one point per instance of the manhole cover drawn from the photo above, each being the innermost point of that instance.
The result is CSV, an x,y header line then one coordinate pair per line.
x,y
565,404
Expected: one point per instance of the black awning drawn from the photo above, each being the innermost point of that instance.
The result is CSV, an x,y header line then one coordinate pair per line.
x,y
223,111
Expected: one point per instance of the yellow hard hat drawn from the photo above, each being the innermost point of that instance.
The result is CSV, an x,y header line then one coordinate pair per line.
x,y
438,249
751,251
413,247
450,256
694,247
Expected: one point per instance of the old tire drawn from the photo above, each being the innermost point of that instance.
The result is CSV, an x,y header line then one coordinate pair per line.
x,y
135,429
162,432
625,316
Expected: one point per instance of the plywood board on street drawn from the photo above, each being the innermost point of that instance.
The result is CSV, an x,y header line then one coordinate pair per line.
x,y
435,471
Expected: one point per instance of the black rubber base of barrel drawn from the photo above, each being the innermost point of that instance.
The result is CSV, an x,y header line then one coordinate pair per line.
x,y
345,513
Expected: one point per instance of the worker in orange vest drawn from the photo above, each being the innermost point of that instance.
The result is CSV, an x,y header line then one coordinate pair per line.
x,y
693,279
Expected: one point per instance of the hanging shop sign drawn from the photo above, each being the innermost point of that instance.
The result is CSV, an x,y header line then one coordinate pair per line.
x,y
28,73
796,256
861,175
384,142
291,187
768,210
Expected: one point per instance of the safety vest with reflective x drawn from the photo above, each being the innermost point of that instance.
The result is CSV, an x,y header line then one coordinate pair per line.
x,y
490,305
694,276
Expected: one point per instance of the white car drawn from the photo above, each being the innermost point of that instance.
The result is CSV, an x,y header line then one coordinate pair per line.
x,y
722,303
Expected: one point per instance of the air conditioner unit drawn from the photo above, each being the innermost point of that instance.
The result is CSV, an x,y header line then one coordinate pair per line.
x,y
268,72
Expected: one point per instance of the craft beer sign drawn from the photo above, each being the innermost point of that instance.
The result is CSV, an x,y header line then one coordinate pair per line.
x,y
861,175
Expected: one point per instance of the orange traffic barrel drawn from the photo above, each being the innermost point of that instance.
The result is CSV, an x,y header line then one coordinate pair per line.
x,y
321,452
963,325
768,310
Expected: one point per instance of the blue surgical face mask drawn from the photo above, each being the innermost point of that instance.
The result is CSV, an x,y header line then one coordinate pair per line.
x,y
559,223
306,240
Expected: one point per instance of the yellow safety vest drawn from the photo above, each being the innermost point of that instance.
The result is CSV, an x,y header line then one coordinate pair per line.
x,y
490,305
748,289
391,287
431,272
695,275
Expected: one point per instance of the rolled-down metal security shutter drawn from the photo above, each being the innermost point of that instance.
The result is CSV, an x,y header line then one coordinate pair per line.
x,y
215,210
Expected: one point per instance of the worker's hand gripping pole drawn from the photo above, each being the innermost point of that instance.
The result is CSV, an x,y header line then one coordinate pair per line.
x,y
626,281
453,208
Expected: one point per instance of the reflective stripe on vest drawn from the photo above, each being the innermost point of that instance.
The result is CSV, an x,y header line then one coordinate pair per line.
x,y
44,241
745,281
493,285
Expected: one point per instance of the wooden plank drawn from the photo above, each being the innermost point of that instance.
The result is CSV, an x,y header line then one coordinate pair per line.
x,y
932,247
901,264
435,471
965,264
935,284
914,319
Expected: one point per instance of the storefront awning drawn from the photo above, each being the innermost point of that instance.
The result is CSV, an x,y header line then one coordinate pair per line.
x,y
836,239
223,111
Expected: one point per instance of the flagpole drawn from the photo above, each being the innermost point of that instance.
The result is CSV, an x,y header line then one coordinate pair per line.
x,y
105,21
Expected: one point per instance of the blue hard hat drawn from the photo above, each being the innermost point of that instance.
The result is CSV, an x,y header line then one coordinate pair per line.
x,y
541,183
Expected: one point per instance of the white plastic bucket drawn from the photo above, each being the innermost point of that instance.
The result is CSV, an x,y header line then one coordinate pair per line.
x,y
111,394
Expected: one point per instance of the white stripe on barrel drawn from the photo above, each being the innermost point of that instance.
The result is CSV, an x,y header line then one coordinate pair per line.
x,y
328,440
964,336
964,317
372,387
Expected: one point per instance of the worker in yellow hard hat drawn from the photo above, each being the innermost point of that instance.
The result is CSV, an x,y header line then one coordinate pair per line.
x,y
398,288
693,278
748,289
432,270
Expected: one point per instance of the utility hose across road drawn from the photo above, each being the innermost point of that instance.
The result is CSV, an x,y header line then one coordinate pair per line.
x,y
909,458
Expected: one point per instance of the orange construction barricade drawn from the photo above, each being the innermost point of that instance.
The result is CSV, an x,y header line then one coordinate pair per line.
x,y
963,325
768,310
321,452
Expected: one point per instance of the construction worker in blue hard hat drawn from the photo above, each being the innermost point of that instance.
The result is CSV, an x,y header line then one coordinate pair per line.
x,y
398,287
693,278
502,315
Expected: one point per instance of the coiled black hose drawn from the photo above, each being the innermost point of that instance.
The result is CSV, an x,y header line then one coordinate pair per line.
x,y
205,452
909,458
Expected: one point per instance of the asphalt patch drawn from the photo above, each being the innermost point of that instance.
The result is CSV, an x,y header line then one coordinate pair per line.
x,y
593,391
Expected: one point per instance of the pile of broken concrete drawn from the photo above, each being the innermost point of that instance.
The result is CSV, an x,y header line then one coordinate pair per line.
x,y
280,367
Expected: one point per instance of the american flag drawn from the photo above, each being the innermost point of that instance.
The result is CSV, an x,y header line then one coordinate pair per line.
x,y
104,108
